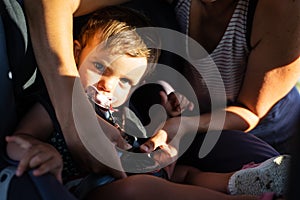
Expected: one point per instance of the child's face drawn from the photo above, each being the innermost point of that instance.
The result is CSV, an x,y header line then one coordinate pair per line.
x,y
113,76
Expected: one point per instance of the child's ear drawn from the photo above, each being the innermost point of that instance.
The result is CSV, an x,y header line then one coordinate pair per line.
x,y
77,50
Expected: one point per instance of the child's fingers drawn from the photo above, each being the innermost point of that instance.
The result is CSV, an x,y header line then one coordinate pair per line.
x,y
18,140
40,158
24,162
148,146
49,168
44,168
160,138
51,165
165,155
170,150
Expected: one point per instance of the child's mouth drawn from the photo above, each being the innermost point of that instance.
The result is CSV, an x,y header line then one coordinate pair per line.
x,y
99,98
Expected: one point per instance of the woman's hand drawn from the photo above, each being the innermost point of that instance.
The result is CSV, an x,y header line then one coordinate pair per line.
x,y
41,157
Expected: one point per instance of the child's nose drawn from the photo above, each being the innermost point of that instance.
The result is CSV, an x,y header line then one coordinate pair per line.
x,y
107,84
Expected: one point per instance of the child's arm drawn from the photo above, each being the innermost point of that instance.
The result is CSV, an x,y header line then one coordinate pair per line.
x,y
27,146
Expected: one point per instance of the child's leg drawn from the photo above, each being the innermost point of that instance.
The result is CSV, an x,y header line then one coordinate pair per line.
x,y
193,176
150,187
268,176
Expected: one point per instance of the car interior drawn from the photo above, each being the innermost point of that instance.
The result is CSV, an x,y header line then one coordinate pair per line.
x,y
18,72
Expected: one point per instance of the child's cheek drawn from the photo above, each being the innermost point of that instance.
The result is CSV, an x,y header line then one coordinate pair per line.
x,y
121,97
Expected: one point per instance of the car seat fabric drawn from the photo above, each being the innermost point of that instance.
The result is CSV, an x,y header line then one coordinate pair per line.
x,y
17,65
19,49
7,102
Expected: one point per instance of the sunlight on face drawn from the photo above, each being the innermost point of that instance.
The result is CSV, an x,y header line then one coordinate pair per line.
x,y
112,75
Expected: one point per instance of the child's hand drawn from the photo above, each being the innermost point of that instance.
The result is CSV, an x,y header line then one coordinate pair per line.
x,y
175,103
41,157
165,153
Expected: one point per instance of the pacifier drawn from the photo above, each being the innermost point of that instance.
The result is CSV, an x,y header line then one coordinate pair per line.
x,y
103,101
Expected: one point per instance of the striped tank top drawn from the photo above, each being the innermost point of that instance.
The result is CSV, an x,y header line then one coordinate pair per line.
x,y
228,58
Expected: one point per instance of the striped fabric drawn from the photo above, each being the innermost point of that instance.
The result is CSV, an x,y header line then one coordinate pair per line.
x,y
230,56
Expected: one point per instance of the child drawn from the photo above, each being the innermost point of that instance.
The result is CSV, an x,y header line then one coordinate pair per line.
x,y
112,59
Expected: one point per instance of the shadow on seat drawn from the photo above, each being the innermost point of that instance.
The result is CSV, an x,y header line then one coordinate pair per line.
x,y
13,60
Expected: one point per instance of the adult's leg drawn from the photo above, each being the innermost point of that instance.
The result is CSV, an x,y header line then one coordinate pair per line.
x,y
151,187
233,150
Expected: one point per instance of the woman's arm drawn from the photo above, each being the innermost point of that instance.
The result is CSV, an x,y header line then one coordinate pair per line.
x,y
50,25
272,71
274,65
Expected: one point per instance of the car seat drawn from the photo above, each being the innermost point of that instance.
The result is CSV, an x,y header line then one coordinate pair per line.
x,y
17,73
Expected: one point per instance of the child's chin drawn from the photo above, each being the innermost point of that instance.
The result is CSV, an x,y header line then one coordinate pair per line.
x,y
117,104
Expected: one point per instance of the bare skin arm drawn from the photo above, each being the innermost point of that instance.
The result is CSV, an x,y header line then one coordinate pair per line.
x,y
274,64
272,71
50,24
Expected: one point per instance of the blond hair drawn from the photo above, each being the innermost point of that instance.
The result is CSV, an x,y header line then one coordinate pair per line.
x,y
116,28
